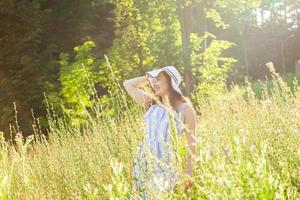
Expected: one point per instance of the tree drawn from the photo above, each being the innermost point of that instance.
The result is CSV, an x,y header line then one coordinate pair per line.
x,y
152,34
32,35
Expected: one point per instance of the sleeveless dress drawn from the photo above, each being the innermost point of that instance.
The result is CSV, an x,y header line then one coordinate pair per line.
x,y
153,170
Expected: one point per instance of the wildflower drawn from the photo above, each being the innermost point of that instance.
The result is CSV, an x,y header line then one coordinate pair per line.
x,y
226,151
253,148
19,135
2,139
197,159
296,131
243,131
210,153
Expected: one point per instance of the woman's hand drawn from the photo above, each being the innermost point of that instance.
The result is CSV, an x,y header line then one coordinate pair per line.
x,y
132,86
188,182
187,185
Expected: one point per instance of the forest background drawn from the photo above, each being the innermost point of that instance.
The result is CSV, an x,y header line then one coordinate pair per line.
x,y
50,48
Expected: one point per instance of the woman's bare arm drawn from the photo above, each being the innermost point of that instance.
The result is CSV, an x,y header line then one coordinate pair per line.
x,y
132,86
190,124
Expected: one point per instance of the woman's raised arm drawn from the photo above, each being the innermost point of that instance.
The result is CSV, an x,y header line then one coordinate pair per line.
x,y
132,86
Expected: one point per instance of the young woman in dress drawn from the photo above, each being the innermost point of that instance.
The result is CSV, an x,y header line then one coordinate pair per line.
x,y
152,166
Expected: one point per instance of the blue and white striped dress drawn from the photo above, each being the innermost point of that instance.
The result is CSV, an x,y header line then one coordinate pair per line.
x,y
153,170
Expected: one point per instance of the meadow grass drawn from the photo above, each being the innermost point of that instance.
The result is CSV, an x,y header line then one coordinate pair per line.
x,y
247,148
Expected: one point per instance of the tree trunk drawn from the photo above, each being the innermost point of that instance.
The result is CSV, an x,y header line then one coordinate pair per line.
x,y
185,19
285,11
246,57
262,16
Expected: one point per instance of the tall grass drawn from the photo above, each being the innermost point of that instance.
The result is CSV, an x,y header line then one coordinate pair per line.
x,y
248,148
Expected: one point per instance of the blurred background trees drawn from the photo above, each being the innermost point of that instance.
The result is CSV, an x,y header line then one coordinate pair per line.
x,y
212,43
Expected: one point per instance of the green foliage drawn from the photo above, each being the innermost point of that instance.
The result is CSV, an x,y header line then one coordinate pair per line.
x,y
214,69
77,81
119,189
22,78
289,79
32,35
147,36
216,18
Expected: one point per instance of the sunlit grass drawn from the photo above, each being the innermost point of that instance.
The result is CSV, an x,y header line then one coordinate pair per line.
x,y
248,148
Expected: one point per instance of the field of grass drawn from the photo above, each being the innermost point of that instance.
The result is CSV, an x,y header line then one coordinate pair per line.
x,y
248,148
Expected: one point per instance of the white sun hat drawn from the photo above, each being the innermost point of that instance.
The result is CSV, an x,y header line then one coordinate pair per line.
x,y
172,72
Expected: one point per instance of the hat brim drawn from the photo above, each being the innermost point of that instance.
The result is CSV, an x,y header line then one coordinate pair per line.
x,y
156,72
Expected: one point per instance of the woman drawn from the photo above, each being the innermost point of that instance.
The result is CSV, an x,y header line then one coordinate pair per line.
x,y
153,168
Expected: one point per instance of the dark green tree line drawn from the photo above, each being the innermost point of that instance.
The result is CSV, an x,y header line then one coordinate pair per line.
x,y
32,36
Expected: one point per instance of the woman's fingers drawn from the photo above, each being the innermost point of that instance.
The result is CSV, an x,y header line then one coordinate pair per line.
x,y
188,185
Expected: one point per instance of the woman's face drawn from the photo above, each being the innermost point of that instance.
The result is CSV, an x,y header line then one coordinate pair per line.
x,y
160,84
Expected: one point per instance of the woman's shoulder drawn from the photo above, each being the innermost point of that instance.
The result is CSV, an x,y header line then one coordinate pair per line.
x,y
187,107
188,111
